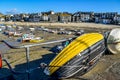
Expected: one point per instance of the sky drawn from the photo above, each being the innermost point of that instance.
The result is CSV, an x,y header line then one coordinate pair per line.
x,y
33,6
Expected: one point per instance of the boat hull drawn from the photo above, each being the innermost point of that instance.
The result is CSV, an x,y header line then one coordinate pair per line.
x,y
36,41
81,64
78,57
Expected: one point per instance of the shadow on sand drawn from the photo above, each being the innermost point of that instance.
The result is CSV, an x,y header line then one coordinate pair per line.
x,y
37,74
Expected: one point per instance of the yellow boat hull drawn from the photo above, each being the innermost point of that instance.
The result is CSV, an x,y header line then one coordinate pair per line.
x,y
36,41
76,47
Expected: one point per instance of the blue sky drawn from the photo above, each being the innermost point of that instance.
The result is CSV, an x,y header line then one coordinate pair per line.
x,y
30,6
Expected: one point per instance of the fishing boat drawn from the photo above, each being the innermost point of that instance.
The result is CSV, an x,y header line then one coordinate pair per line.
x,y
17,34
36,40
27,37
78,57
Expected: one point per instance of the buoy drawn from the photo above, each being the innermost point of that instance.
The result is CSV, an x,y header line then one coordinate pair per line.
x,y
113,41
0,61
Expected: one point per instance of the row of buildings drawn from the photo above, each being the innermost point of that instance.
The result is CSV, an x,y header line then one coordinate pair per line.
x,y
105,18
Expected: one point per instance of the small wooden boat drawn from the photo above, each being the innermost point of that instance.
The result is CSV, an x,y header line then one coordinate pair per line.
x,y
27,37
36,40
16,34
10,33
78,57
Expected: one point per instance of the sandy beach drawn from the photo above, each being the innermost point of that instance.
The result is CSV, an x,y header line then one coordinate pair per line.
x,y
106,69
75,25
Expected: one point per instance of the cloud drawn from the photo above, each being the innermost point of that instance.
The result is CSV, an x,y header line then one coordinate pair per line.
x,y
12,11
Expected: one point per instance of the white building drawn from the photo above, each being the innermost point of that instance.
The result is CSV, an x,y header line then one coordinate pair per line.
x,y
44,18
2,19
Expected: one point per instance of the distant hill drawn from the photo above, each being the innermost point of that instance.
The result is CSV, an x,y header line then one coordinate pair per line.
x,y
1,15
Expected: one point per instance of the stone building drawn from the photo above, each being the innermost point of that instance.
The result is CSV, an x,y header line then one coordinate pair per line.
x,y
64,17
53,18
35,17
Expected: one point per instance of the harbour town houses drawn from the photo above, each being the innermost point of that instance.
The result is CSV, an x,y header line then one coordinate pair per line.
x,y
117,19
83,17
35,17
64,17
105,18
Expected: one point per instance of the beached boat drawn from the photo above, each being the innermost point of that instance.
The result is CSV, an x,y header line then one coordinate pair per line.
x,y
10,33
17,34
36,40
78,57
27,37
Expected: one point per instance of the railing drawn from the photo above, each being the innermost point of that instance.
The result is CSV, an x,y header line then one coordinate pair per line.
x,y
27,47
